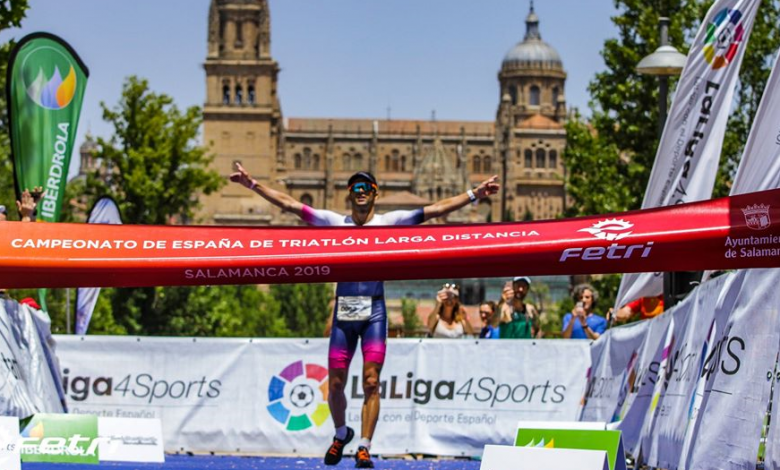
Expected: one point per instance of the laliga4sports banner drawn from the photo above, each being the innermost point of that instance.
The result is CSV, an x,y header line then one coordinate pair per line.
x,y
687,159
45,88
729,233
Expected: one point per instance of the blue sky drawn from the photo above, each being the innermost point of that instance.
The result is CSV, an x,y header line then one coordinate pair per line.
x,y
338,58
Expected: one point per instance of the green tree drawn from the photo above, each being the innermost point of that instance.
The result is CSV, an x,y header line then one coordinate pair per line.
x,y
412,323
304,307
11,14
624,104
154,168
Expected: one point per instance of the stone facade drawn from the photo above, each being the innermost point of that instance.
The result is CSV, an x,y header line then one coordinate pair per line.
x,y
416,162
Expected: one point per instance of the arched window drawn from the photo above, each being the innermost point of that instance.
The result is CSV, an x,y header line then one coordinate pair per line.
x,y
403,162
534,96
346,162
226,94
250,94
306,199
476,166
553,159
513,94
540,157
387,162
555,94
316,162
486,166
529,158
297,160
239,33
239,94
357,162
307,159
396,161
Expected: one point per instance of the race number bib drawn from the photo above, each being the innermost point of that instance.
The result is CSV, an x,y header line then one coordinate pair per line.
x,y
353,308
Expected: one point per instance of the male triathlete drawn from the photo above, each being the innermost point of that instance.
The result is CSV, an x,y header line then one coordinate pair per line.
x,y
360,306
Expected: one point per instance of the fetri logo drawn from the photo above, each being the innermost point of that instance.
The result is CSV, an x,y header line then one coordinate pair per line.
x,y
298,396
48,89
610,229
723,37
757,216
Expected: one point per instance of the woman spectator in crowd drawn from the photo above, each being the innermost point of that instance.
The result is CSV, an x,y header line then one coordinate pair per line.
x,y
448,318
487,310
582,322
519,320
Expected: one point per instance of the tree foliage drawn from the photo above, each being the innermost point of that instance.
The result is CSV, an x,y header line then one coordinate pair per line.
x,y
304,307
154,168
608,170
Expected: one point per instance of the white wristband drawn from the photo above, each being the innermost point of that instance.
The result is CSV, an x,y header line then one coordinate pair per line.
x,y
472,196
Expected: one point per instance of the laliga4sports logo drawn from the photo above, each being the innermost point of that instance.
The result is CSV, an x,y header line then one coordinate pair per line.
x,y
610,230
48,89
724,34
298,396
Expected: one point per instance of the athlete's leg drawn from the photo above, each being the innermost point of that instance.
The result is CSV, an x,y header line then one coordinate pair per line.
x,y
374,346
343,343
370,412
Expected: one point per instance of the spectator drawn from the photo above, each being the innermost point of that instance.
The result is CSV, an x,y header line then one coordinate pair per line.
x,y
448,318
644,308
519,320
3,213
507,294
582,322
487,311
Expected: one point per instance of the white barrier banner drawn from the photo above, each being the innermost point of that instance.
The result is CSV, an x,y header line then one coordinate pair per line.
x,y
641,384
27,385
446,397
614,357
738,375
693,321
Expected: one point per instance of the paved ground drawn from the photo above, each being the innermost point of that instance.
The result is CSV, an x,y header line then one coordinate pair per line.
x,y
174,462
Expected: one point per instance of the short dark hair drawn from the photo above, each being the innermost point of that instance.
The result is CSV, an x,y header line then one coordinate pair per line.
x,y
362,175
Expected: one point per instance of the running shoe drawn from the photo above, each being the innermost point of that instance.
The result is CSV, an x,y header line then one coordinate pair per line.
x,y
333,457
363,458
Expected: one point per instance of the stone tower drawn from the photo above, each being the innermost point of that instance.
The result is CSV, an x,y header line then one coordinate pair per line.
x,y
532,75
242,115
530,133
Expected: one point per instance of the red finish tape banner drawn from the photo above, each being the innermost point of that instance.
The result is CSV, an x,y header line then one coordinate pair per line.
x,y
735,232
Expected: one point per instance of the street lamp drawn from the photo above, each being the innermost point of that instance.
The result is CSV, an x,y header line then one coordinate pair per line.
x,y
666,61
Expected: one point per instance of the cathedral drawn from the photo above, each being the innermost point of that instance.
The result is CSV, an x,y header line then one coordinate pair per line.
x,y
417,162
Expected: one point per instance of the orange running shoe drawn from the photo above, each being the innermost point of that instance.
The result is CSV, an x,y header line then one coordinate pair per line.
x,y
363,458
336,450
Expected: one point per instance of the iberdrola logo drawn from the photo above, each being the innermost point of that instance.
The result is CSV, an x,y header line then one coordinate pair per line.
x,y
723,37
43,71
298,396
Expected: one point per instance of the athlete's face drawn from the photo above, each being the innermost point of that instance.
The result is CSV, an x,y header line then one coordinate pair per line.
x,y
362,193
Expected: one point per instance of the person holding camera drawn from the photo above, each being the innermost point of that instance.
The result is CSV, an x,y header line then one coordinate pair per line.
x,y
448,318
519,320
582,322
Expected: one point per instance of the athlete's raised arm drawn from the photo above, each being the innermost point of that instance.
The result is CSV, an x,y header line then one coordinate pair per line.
x,y
277,198
445,206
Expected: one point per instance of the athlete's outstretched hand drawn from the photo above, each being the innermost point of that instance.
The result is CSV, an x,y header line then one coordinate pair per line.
x,y
488,187
242,177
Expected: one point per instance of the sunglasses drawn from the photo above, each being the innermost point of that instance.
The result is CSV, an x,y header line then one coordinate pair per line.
x,y
362,187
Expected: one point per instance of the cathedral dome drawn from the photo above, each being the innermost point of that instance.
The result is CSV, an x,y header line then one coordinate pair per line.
x,y
532,52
